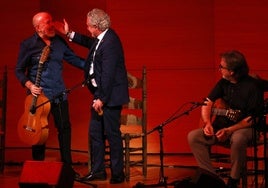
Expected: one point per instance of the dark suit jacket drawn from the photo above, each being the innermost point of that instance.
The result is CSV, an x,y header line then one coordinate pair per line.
x,y
109,68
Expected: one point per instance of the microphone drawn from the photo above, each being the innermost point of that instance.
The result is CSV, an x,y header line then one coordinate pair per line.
x,y
199,103
203,103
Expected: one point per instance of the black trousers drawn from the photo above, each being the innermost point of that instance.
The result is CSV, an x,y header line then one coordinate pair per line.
x,y
60,112
101,127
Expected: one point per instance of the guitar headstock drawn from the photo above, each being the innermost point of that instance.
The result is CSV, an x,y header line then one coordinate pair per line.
x,y
44,55
233,115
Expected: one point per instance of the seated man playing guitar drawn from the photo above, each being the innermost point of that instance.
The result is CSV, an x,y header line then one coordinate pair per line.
x,y
243,100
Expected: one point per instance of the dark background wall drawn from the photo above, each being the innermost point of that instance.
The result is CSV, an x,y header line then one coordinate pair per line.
x,y
178,41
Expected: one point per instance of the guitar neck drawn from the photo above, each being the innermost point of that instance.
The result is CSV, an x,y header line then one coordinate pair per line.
x,y
219,112
33,105
43,58
38,75
37,83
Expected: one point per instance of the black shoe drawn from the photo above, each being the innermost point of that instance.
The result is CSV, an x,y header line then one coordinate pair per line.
x,y
232,183
117,179
94,176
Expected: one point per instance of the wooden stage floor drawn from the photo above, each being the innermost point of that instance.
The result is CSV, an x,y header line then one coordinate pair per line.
x,y
176,168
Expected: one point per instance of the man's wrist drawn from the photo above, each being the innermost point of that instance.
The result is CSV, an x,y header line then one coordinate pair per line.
x,y
29,84
68,34
228,131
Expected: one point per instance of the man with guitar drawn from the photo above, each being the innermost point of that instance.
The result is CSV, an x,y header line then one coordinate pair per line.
x,y
39,69
243,102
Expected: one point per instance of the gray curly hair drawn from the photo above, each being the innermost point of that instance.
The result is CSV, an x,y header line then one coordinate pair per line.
x,y
99,18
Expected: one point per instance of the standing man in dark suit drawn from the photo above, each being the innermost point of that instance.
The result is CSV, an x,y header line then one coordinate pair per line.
x,y
106,77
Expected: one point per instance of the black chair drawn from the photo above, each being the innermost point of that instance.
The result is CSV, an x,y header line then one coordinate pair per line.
x,y
259,140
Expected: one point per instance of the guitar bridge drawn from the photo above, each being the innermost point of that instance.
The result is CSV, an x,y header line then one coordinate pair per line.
x,y
27,128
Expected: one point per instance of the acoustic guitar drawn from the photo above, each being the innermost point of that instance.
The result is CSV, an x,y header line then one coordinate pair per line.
x,y
33,124
222,116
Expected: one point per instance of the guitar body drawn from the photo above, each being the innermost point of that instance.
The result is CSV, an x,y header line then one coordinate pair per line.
x,y
222,116
218,104
33,127
33,124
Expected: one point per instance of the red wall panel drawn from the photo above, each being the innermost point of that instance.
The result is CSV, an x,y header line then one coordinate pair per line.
x,y
175,42
178,41
243,25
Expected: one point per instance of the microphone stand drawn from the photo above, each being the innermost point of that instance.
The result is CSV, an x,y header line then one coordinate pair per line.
x,y
162,179
58,96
